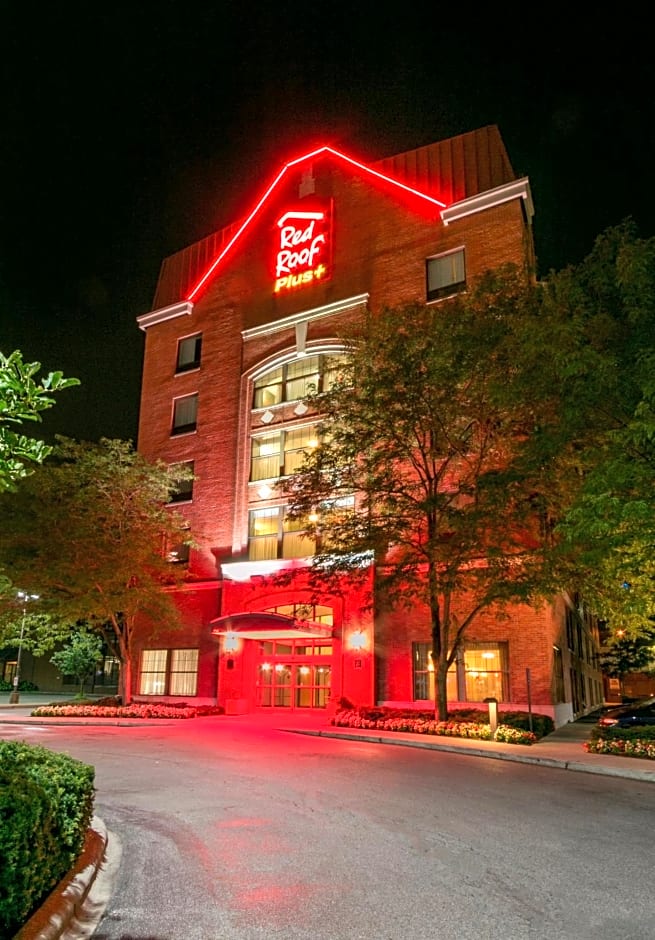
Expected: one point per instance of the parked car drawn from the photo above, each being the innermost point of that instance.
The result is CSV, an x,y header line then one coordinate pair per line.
x,y
638,713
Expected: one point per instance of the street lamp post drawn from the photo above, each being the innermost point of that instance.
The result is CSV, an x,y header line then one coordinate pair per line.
x,y
14,698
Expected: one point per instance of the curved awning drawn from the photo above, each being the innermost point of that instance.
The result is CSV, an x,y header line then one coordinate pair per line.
x,y
262,625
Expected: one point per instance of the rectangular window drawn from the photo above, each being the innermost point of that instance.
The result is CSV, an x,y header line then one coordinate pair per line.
x,y
279,453
296,442
445,274
424,676
302,378
270,535
184,414
169,672
184,672
268,389
265,459
295,544
153,672
485,671
479,672
183,488
263,533
188,353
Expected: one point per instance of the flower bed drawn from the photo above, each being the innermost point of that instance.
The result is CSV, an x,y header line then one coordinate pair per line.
x,y
624,742
114,711
419,723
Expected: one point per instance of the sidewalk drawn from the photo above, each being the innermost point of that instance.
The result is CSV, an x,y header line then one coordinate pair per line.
x,y
563,749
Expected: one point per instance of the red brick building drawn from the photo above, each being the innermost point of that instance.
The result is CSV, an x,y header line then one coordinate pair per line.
x,y
244,322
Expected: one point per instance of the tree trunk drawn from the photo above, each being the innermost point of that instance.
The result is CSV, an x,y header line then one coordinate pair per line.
x,y
440,690
125,682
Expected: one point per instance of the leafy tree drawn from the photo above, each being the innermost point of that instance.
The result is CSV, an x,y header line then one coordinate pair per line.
x,y
423,433
89,532
79,657
22,399
625,654
597,330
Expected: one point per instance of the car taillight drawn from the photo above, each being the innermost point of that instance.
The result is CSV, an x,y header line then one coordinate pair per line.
x,y
608,722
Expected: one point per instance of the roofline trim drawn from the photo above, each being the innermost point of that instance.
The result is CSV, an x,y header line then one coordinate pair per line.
x,y
184,308
519,189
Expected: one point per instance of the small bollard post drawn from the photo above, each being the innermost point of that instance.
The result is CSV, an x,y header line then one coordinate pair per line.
x,y
493,713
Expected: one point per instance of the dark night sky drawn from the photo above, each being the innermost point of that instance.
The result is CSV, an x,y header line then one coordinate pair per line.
x,y
130,130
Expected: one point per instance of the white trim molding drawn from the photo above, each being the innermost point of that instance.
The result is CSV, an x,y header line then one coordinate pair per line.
x,y
305,316
519,189
185,308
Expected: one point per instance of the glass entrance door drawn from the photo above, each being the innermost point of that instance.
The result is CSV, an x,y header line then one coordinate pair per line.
x,y
293,674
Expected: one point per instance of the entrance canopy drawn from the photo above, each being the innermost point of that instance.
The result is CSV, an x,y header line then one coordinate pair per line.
x,y
260,625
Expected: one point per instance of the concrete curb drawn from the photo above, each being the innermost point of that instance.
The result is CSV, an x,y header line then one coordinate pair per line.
x,y
472,751
64,904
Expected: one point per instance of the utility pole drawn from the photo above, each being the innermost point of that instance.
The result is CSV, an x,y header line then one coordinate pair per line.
x,y
14,698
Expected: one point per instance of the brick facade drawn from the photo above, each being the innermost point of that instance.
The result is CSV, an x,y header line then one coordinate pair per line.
x,y
382,233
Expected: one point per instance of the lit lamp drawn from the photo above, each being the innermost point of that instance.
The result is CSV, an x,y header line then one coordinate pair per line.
x,y
357,640
493,713
230,643
14,698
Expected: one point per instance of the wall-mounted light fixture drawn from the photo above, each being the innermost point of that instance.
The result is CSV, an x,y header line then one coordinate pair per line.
x,y
358,640
230,643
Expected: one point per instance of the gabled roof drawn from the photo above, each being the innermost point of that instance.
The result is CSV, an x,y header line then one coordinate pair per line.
x,y
435,176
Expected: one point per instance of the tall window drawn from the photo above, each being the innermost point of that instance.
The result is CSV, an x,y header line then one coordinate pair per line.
x,y
169,672
297,379
270,535
185,411
445,274
188,353
278,453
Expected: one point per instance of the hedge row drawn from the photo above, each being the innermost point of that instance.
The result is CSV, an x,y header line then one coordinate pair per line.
x,y
46,806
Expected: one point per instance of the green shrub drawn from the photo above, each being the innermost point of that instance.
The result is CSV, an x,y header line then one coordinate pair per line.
x,y
642,733
46,805
5,686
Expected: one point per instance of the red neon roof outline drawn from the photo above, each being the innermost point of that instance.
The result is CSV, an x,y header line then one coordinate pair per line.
x,y
308,156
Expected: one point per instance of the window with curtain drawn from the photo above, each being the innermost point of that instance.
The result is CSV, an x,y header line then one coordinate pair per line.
x,y
445,274
185,411
169,672
188,353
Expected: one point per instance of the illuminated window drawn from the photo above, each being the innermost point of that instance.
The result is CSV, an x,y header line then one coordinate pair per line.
x,y
183,672
485,671
479,672
445,274
153,672
184,414
298,379
169,672
188,353
315,613
278,453
271,535
424,677
266,457
183,488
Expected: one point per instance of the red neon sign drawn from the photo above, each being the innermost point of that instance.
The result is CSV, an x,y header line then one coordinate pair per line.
x,y
422,198
302,248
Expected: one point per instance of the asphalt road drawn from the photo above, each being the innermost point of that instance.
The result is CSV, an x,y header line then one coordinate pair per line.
x,y
233,830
